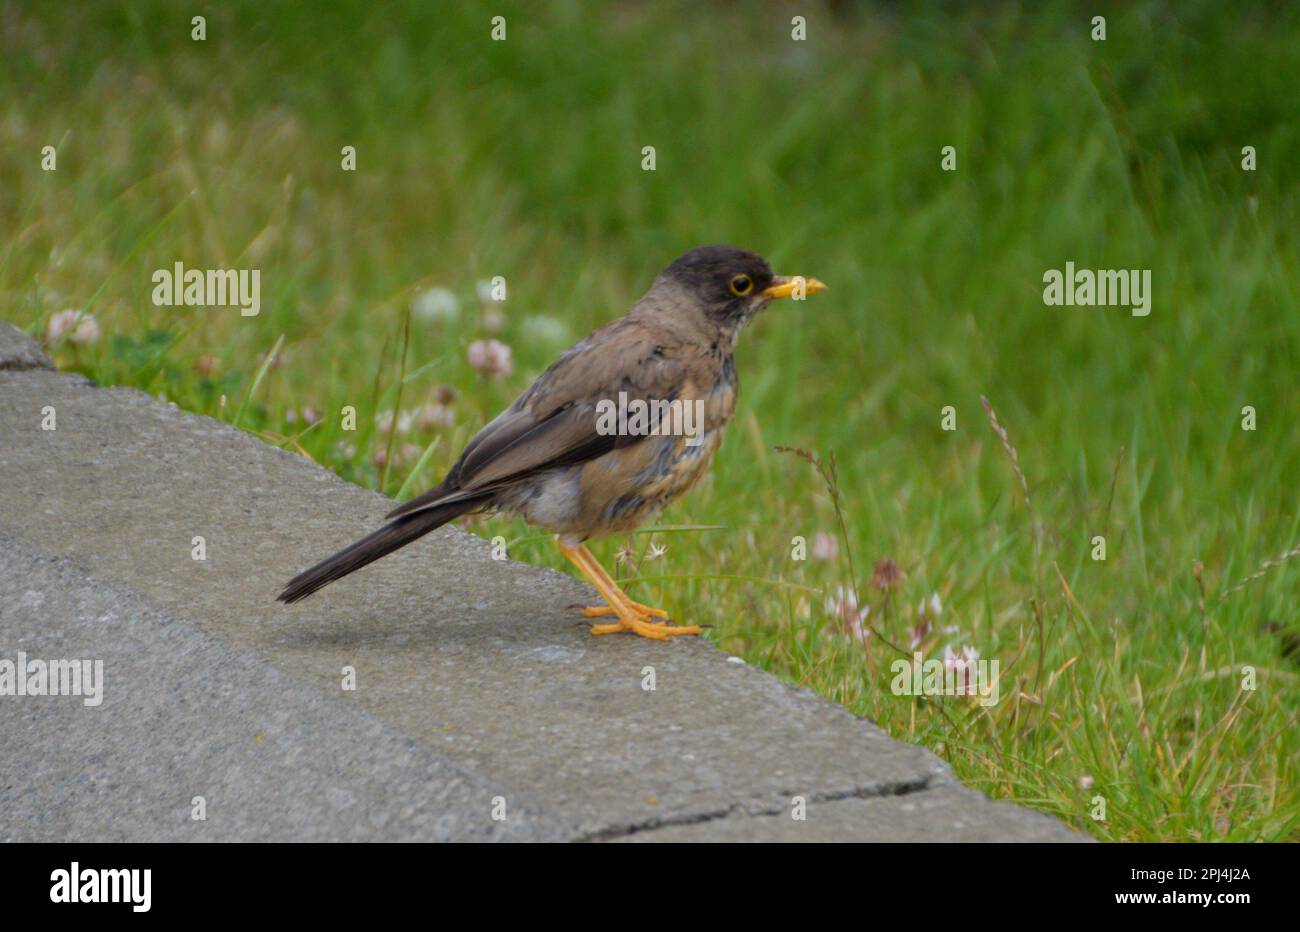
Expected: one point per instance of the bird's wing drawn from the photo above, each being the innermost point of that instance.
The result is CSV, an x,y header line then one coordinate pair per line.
x,y
554,422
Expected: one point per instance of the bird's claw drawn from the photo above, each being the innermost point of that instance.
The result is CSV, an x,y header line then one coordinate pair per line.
x,y
659,631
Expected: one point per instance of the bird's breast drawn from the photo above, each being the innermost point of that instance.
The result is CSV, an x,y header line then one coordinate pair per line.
x,y
631,485
622,489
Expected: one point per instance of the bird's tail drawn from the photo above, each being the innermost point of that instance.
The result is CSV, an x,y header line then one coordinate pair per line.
x,y
384,541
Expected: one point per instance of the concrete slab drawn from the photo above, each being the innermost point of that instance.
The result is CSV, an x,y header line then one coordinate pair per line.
x,y
481,667
19,351
183,716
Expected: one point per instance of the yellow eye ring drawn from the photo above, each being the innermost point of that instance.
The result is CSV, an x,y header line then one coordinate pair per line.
x,y
741,285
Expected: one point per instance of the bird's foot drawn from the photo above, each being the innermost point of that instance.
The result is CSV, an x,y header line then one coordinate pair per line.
x,y
659,631
597,611
632,616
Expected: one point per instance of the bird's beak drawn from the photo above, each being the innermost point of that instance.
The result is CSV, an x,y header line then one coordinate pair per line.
x,y
785,286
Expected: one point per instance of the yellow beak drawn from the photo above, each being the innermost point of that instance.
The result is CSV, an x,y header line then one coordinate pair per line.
x,y
796,286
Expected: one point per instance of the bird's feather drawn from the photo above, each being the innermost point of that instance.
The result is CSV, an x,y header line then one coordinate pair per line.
x,y
554,423
382,542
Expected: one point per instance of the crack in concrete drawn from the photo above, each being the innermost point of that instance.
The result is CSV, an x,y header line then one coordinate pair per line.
x,y
902,788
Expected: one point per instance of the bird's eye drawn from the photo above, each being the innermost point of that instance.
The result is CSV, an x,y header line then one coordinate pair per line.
x,y
741,285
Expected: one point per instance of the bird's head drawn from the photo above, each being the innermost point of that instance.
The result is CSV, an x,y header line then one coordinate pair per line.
x,y
730,285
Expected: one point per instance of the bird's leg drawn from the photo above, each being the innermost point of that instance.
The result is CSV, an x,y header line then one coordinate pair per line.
x,y
595,611
629,619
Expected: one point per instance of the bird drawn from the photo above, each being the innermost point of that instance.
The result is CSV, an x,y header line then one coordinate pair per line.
x,y
577,453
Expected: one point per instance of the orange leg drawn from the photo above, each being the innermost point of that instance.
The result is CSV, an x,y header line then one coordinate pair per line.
x,y
632,616
595,611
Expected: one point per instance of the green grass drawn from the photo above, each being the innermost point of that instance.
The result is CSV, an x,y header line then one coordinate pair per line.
x,y
1121,678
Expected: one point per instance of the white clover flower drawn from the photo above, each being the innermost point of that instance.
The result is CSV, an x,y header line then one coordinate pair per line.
x,y
61,323
436,305
825,547
548,331
433,416
491,357
961,659
86,331
962,663
843,605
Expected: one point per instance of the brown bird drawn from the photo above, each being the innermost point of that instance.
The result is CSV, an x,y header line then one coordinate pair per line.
x,y
621,425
